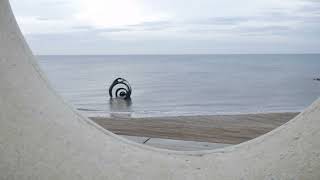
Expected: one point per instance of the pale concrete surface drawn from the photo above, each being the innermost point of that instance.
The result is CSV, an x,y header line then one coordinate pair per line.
x,y
177,145
41,137
137,139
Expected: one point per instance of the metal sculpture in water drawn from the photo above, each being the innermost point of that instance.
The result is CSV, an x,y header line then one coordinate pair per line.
x,y
120,88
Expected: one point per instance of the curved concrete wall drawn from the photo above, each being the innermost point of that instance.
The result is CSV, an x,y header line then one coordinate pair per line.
x,y
43,138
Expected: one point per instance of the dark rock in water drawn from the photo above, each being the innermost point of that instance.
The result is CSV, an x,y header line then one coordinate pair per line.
x,y
316,79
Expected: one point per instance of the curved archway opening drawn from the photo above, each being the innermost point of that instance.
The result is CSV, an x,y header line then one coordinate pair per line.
x,y
41,136
216,85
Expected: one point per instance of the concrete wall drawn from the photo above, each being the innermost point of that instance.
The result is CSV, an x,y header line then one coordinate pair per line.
x,y
41,137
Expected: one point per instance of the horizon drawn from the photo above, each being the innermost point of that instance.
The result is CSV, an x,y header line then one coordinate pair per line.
x,y
173,54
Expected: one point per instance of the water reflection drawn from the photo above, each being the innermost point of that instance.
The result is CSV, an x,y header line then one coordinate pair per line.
x,y
120,107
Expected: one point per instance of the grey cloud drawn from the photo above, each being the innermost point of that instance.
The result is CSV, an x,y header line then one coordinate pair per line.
x,y
82,27
310,7
236,25
43,19
83,43
223,20
106,30
299,16
300,26
100,30
153,25
52,10
231,25
311,1
165,25
264,31
313,8
145,26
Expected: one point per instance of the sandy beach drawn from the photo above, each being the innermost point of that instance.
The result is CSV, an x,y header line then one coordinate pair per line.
x,y
226,129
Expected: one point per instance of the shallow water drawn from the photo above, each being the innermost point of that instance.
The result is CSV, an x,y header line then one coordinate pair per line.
x,y
171,85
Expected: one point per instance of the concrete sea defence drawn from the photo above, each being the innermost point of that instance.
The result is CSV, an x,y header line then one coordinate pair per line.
x,y
41,137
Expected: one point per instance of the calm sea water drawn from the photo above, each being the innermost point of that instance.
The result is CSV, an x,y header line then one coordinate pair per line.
x,y
169,85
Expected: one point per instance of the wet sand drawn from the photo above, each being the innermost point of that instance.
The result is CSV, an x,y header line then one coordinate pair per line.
x,y
226,129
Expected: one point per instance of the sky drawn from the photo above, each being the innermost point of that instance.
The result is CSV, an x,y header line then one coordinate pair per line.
x,y
101,27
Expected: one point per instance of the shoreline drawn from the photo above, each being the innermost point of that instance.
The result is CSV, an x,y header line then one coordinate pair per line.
x,y
93,113
226,129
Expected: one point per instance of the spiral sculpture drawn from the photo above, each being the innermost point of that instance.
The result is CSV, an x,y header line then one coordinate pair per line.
x,y
120,88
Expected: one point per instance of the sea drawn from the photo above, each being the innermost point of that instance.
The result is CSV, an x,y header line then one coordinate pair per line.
x,y
186,85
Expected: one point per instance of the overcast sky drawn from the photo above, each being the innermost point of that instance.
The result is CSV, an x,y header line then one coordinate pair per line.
x,y
170,26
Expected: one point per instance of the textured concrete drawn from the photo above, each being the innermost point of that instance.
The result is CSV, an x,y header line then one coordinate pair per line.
x,y
177,145
41,137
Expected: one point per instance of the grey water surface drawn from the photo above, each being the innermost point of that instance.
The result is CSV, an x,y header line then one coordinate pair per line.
x,y
174,85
